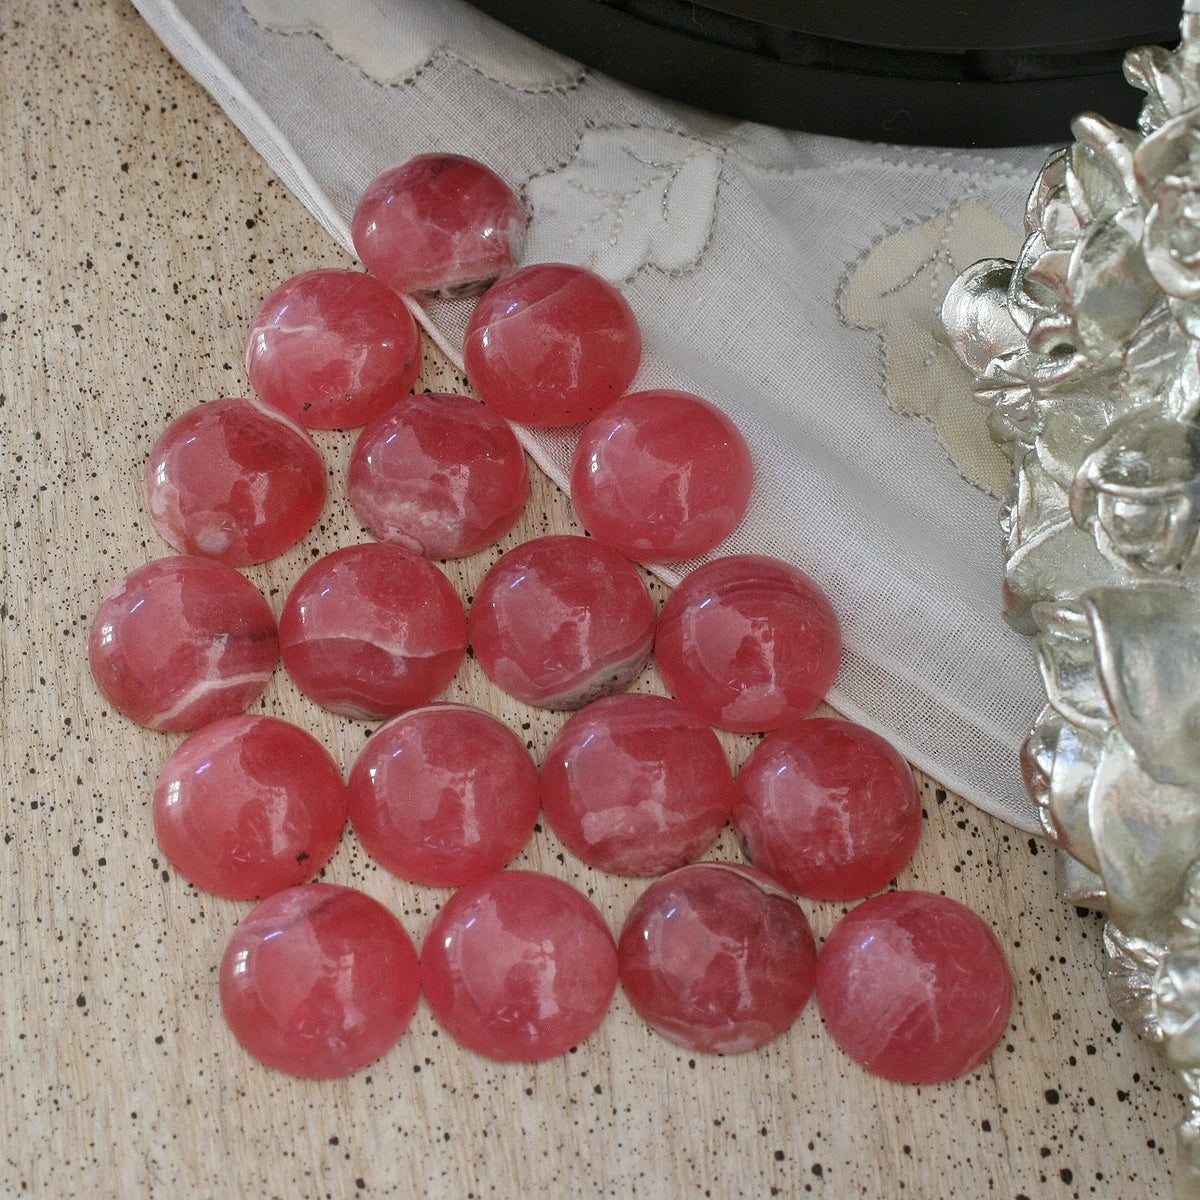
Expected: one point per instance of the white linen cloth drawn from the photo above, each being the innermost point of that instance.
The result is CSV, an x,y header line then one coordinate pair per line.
x,y
793,279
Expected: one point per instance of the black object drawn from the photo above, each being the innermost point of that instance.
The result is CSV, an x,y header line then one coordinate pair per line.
x,y
935,72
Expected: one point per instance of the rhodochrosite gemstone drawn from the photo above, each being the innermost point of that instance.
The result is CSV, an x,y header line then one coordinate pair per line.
x,y
551,345
559,621
248,806
661,475
369,630
181,641
234,480
749,642
319,980
915,987
439,474
519,966
443,795
828,808
717,957
636,784
332,349
438,225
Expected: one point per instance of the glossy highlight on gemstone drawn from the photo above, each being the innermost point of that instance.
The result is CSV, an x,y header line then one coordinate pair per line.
x,y
560,621
519,966
551,345
369,630
914,986
443,795
332,348
439,225
828,808
636,784
234,480
749,642
248,806
439,474
181,641
661,476
319,981
717,957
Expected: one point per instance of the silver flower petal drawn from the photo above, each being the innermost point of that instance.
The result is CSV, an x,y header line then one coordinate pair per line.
x,y
1130,970
1049,372
1156,358
1058,762
1067,661
1111,289
1169,91
1076,757
1177,997
1172,238
1079,885
1101,176
1049,185
1047,566
1068,433
975,315
1148,662
1036,289
1146,834
1170,152
1138,491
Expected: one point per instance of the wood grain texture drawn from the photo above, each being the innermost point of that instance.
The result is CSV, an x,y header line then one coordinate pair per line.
x,y
138,234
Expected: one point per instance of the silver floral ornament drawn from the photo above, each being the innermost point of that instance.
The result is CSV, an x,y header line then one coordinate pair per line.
x,y
1086,350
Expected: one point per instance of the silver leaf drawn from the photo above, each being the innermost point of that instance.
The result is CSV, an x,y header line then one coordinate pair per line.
x,y
1148,655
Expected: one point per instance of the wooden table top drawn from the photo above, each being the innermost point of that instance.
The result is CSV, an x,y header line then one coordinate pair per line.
x,y
139,234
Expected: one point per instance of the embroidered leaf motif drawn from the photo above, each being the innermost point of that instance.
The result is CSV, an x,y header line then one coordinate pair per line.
x,y
391,43
897,290
630,198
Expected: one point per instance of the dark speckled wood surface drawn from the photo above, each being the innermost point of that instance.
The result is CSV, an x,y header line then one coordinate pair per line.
x,y
138,234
